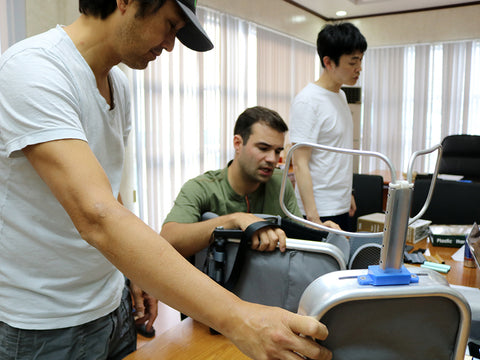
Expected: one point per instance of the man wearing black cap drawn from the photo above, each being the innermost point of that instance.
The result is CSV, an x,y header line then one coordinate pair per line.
x,y
66,242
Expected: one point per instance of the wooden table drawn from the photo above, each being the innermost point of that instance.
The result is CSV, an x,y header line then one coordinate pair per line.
x,y
458,274
191,340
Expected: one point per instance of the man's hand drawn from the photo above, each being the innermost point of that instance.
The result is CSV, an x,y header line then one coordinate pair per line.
x,y
272,333
146,307
353,207
331,225
328,223
265,239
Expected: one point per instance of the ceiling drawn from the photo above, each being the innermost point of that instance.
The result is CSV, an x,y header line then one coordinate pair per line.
x,y
326,9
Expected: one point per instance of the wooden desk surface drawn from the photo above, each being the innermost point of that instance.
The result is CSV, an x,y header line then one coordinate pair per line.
x,y
191,340
458,274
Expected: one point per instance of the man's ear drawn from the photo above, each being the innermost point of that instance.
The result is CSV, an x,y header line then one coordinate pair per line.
x,y
329,63
122,5
237,142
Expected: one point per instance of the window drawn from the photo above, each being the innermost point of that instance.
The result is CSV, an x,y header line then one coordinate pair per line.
x,y
473,126
185,104
414,96
3,26
12,22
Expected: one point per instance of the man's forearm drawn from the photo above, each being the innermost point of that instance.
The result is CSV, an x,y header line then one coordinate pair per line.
x,y
188,239
305,187
153,264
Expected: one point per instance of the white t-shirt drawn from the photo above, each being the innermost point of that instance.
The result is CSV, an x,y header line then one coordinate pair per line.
x,y
323,117
50,277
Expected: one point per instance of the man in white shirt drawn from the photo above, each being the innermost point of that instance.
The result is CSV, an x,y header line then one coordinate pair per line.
x,y
320,114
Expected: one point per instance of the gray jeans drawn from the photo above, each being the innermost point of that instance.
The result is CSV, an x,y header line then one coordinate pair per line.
x,y
110,337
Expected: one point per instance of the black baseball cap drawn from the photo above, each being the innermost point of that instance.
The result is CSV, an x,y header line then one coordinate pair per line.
x,y
192,35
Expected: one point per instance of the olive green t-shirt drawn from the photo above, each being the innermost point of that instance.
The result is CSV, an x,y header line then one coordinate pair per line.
x,y
211,192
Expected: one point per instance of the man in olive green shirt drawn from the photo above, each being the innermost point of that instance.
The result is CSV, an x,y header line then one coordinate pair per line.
x,y
236,192
249,185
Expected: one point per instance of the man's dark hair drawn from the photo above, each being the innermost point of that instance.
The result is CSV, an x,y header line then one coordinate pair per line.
x,y
251,116
104,8
335,40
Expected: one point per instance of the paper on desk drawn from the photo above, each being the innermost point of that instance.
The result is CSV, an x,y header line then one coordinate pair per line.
x,y
450,177
459,254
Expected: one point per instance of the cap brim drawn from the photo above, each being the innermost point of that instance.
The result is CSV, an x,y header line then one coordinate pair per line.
x,y
192,34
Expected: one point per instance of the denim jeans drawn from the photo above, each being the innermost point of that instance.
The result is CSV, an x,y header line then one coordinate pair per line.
x,y
110,337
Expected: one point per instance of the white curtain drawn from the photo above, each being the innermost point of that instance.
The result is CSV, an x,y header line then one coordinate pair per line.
x,y
473,126
185,103
3,26
383,92
416,95
285,66
12,22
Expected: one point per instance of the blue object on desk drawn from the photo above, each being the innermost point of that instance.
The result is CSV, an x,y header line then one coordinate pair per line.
x,y
377,276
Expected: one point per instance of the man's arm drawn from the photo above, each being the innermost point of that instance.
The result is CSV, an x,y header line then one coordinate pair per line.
x,y
303,180
353,207
290,199
188,239
146,306
77,180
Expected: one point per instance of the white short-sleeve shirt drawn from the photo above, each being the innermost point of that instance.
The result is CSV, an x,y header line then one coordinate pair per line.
x,y
323,117
49,276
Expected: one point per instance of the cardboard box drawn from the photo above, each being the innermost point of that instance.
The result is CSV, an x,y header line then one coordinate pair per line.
x,y
375,222
449,235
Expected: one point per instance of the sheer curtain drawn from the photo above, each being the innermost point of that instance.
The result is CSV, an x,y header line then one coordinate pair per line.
x,y
383,91
12,22
185,104
3,27
285,66
416,95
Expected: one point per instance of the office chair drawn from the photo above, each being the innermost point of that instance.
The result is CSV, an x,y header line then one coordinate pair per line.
x,y
452,202
368,191
388,312
461,156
